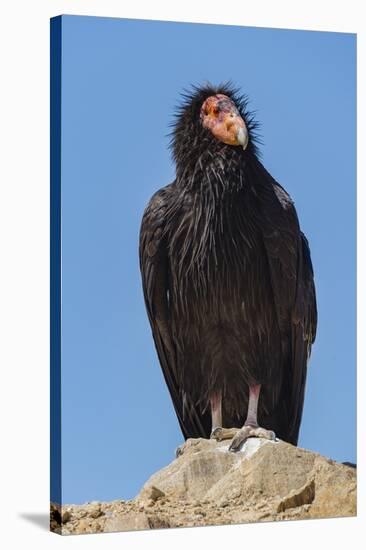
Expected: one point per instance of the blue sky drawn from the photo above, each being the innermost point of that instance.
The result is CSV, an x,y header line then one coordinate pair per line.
x,y
121,80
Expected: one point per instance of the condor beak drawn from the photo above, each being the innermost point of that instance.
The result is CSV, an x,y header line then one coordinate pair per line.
x,y
227,126
242,137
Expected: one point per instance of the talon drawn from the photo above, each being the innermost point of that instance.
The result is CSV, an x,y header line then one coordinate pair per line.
x,y
235,447
265,434
216,434
240,438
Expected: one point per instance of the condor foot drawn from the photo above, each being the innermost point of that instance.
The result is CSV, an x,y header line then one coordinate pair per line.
x,y
249,431
223,433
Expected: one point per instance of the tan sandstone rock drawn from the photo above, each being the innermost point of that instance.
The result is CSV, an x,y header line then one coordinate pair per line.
x,y
208,485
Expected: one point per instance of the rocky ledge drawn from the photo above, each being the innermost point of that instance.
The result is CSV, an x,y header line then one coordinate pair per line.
x,y
208,485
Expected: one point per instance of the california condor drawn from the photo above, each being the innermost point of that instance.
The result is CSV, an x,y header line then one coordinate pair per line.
x,y
227,279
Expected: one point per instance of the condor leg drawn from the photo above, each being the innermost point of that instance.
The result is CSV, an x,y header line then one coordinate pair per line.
x,y
251,427
218,432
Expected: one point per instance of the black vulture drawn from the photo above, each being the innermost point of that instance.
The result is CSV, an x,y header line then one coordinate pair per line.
x,y
227,279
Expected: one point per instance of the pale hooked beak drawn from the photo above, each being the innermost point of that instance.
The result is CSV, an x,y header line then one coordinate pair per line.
x,y
242,137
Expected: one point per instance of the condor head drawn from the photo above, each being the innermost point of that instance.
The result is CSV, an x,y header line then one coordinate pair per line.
x,y
220,115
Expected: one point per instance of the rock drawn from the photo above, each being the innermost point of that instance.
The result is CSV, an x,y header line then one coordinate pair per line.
x,y
151,494
336,490
155,493
127,522
208,485
55,517
298,497
66,516
85,526
95,511
194,472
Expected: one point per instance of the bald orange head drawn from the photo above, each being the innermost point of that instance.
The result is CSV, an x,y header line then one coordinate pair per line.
x,y
220,115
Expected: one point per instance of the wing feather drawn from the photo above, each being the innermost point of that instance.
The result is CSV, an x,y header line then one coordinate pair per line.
x,y
292,281
154,266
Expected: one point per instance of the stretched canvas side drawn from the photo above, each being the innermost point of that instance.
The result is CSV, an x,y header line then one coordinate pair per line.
x,y
55,276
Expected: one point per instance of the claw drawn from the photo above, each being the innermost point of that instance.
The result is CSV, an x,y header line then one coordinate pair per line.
x,y
265,434
240,438
217,434
249,431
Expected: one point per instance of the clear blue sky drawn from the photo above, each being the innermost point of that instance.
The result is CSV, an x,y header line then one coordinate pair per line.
x,y
120,82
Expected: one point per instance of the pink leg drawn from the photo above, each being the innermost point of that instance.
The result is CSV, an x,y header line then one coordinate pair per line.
x,y
251,428
254,392
218,432
216,410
